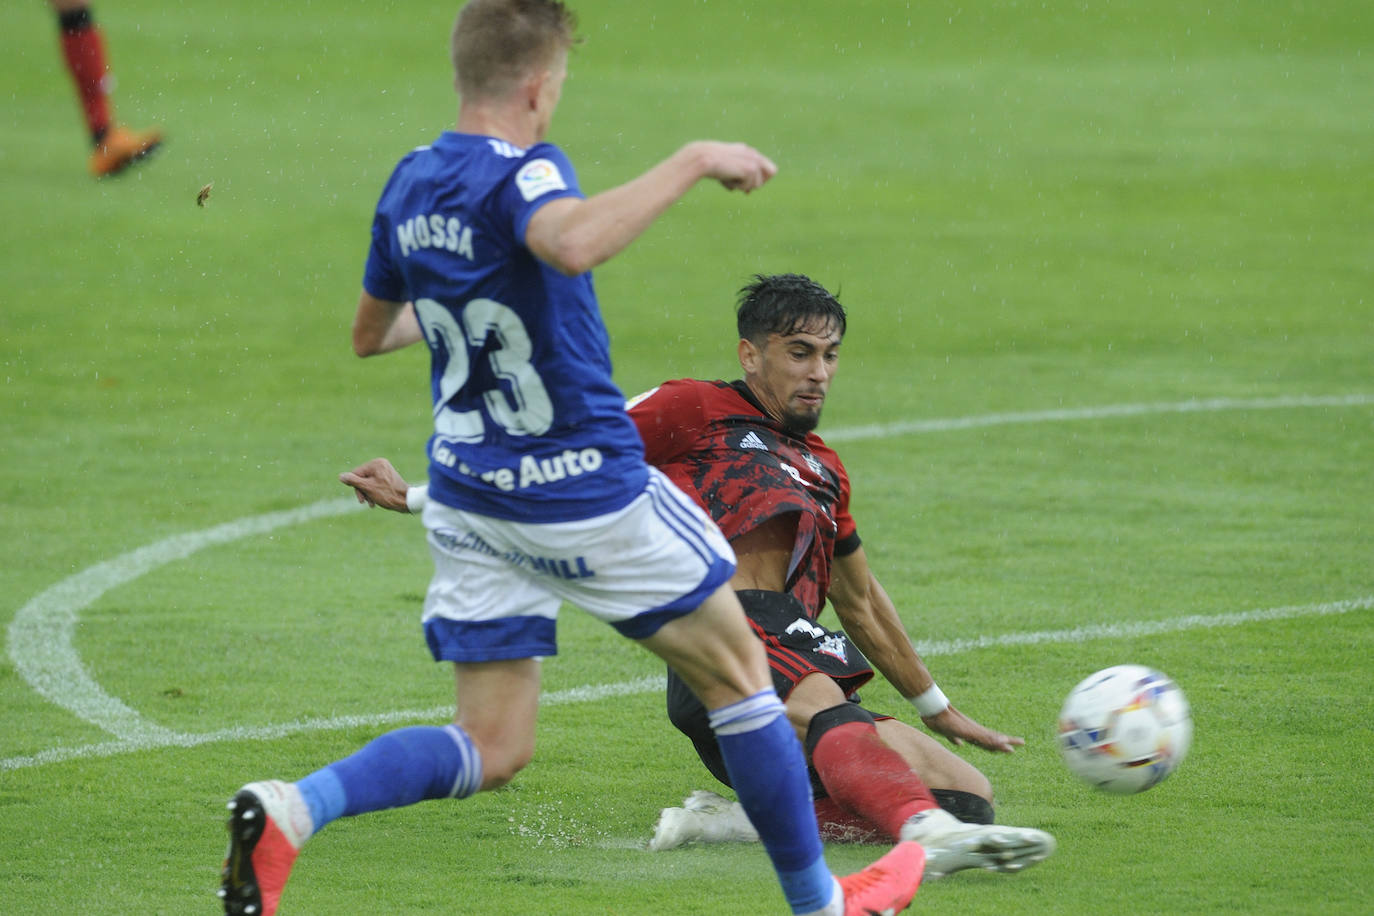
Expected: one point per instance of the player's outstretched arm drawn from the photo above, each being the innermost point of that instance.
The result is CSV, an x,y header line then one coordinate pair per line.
x,y
575,235
870,619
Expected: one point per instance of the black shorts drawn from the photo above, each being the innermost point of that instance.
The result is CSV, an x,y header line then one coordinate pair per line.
x,y
797,647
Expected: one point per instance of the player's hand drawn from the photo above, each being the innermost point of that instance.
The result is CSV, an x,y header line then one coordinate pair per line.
x,y
377,483
737,166
960,729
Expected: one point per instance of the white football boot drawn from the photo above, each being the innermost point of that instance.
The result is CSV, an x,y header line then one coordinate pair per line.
x,y
952,845
704,817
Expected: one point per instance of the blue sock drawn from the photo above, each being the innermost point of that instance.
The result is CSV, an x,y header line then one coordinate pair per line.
x,y
768,772
399,768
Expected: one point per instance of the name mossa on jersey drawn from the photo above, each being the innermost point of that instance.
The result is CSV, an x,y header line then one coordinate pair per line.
x,y
434,230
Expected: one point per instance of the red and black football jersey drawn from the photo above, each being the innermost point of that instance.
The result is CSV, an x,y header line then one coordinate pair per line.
x,y
717,443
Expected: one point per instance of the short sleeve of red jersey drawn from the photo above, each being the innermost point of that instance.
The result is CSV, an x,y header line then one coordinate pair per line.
x,y
670,418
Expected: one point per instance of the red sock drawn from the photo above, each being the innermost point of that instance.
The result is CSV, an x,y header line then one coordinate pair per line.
x,y
866,776
84,50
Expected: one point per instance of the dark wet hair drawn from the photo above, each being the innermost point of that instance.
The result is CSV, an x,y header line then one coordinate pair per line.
x,y
785,304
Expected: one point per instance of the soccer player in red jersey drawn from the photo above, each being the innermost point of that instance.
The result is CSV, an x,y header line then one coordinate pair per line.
x,y
83,52
748,453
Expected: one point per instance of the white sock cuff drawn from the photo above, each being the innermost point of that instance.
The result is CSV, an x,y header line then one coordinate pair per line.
x,y
468,779
747,715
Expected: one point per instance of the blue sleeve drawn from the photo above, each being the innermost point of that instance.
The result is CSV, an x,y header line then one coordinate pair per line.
x,y
544,175
381,278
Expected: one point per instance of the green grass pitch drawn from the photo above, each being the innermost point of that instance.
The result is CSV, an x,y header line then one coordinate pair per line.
x,y
1107,396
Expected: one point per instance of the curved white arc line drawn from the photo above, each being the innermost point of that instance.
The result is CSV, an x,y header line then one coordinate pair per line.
x,y
1107,411
40,636
655,683
587,694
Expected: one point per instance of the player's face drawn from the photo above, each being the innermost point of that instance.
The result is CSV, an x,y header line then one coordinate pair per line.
x,y
790,374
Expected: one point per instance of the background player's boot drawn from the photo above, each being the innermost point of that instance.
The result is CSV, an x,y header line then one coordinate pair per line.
x,y
120,148
952,845
268,822
704,817
887,886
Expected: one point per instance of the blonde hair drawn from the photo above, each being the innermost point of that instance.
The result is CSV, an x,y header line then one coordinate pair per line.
x,y
497,43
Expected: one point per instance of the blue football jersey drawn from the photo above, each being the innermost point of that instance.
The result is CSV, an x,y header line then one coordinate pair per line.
x,y
527,422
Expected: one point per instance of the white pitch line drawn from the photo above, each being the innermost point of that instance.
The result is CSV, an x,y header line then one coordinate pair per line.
x,y
40,636
1106,411
152,741
1144,627
656,683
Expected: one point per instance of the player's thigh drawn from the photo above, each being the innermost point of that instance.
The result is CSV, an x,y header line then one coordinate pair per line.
x,y
714,651
939,767
810,695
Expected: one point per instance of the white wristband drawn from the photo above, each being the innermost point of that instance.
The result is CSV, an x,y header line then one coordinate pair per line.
x,y
931,703
416,497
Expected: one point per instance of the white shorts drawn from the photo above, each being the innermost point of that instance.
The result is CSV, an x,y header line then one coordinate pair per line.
x,y
498,584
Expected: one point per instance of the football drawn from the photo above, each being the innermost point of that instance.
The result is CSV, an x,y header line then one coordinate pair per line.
x,y
1125,728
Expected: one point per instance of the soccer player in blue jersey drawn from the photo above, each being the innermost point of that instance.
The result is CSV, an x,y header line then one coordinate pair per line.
x,y
538,489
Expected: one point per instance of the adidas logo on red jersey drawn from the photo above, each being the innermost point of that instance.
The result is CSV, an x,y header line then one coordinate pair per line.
x,y
752,440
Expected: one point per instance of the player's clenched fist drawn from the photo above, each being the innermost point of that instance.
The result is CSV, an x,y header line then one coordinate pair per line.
x,y
737,166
